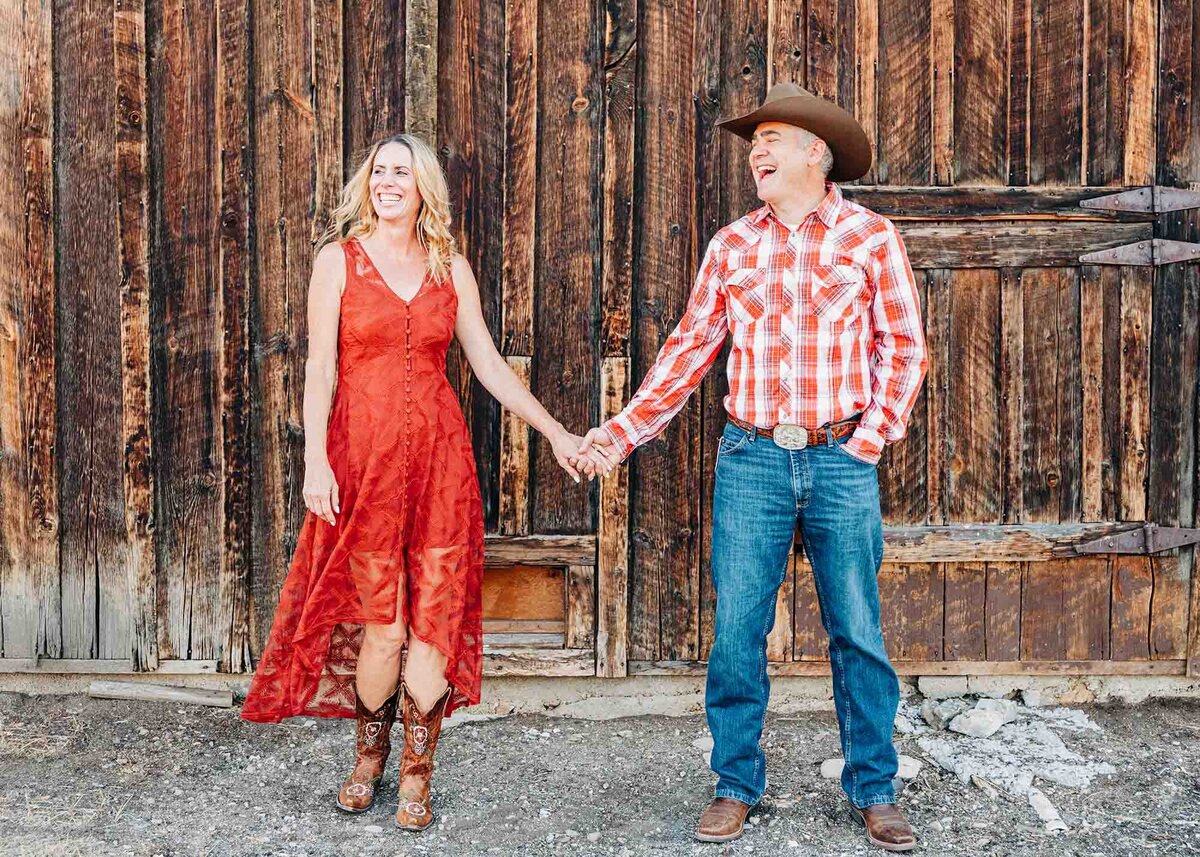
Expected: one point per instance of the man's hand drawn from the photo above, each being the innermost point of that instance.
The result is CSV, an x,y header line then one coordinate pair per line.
x,y
598,454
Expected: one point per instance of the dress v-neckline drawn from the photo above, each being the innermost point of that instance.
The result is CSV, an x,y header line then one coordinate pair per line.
x,y
383,280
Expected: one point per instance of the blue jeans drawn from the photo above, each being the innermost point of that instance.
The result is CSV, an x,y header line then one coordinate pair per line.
x,y
761,492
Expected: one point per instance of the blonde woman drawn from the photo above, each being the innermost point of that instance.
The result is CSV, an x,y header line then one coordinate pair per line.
x,y
381,608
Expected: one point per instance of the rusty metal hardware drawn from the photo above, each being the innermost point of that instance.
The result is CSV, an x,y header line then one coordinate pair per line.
x,y
1146,539
1157,199
1152,251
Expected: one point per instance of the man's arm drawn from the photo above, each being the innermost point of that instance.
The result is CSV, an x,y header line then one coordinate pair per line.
x,y
680,366
898,360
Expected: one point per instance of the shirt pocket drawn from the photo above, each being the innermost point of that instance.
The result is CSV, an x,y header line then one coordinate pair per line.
x,y
746,289
835,289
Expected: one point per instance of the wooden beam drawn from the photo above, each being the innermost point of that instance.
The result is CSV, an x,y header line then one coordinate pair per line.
x,y
903,204
514,461
539,550
1014,243
933,668
421,68
526,661
994,543
145,692
612,558
581,607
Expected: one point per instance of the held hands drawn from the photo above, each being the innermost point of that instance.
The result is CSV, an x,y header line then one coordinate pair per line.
x,y
321,490
589,456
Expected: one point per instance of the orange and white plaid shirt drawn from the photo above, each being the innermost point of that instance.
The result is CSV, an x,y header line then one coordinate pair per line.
x,y
826,324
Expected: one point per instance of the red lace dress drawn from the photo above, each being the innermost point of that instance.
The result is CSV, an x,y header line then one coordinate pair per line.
x,y
410,531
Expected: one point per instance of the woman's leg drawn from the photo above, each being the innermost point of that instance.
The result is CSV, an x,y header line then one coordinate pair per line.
x,y
379,662
425,674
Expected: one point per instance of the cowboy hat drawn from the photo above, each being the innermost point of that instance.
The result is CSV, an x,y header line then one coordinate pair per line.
x,y
794,105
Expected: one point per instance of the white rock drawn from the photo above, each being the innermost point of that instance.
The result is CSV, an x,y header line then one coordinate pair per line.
x,y
1033,698
704,742
544,813
373,828
1005,707
938,713
708,757
831,769
942,686
935,826
1046,811
909,767
977,723
594,836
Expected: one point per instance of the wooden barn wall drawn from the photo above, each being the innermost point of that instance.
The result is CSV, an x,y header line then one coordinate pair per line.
x,y
167,164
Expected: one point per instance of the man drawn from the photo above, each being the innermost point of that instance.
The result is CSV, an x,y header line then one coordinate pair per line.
x,y
828,356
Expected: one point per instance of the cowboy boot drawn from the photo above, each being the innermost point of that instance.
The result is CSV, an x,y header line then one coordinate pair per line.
x,y
421,733
373,745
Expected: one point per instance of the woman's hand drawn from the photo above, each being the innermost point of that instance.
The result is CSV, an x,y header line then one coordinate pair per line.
x,y
321,490
565,447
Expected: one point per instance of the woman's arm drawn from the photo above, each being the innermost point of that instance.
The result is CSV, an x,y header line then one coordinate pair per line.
x,y
496,376
320,376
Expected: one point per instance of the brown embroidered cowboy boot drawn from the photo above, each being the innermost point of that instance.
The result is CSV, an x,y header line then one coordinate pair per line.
x,y
421,733
723,820
886,826
374,743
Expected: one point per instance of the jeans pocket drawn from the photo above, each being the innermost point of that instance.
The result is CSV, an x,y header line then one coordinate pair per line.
x,y
731,441
840,446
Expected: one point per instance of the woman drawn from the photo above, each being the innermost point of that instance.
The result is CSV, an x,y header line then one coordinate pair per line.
x,y
381,607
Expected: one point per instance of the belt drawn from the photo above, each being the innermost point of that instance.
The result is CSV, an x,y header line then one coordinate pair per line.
x,y
797,437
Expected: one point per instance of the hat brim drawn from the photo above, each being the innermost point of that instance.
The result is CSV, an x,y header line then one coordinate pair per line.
x,y
840,131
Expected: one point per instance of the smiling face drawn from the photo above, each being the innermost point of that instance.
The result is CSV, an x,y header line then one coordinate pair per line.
x,y
785,161
394,193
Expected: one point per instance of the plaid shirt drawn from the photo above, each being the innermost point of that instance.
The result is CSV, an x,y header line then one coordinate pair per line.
x,y
826,324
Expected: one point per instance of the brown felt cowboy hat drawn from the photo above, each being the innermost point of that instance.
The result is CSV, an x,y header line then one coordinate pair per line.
x,y
794,105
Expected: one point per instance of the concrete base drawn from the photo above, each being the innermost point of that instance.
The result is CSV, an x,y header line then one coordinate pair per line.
x,y
675,696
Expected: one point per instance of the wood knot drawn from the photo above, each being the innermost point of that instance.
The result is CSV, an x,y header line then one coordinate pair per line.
x,y
1053,478
580,104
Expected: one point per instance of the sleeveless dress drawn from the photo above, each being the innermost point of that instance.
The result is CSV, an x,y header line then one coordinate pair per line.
x,y
410,528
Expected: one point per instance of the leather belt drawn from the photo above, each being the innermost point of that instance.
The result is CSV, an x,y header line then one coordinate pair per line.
x,y
789,436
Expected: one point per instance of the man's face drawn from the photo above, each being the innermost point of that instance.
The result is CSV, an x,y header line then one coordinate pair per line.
x,y
784,159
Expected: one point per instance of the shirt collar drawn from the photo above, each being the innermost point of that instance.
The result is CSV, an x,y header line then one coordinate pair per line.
x,y
827,210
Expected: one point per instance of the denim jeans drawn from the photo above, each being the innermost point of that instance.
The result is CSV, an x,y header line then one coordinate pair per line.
x,y
762,490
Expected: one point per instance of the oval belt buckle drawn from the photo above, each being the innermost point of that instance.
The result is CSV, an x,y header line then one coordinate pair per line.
x,y
790,436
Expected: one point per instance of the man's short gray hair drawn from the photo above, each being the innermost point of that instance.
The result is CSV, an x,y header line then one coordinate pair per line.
x,y
806,138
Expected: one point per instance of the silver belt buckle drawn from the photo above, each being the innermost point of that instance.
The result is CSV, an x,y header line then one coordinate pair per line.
x,y
789,436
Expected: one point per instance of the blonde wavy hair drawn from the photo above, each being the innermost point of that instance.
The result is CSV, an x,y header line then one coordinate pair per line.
x,y
355,215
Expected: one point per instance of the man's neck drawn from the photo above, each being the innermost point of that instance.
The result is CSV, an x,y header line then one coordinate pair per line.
x,y
799,205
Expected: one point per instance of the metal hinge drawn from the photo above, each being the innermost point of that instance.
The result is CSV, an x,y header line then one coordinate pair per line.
x,y
1156,199
1152,251
1146,539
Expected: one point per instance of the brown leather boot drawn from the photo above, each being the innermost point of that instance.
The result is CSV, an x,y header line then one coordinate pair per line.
x,y
886,826
421,733
373,745
723,820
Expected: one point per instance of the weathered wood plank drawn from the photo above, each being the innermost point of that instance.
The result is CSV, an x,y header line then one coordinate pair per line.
x,y
129,53
980,91
821,48
664,508
470,138
581,607
974,424
145,692
612,554
30,609
779,640
328,109
981,543
421,68
919,668
189,466
1137,285
942,48
620,102
1043,590
936,401
809,640
1052,396
866,84
524,626
787,45
1012,373
1014,244
520,195
912,597
526,661
539,550
1132,589
977,203
905,100
374,71
1056,92
524,592
1169,607
1002,611
1091,362
965,636
1119,95
1086,596
284,176
570,113
514,461
1018,120
904,469
93,547
1140,70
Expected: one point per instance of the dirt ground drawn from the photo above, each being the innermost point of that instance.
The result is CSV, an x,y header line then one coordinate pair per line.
x,y
92,777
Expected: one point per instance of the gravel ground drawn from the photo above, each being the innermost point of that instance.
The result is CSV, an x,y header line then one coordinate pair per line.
x,y
93,777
